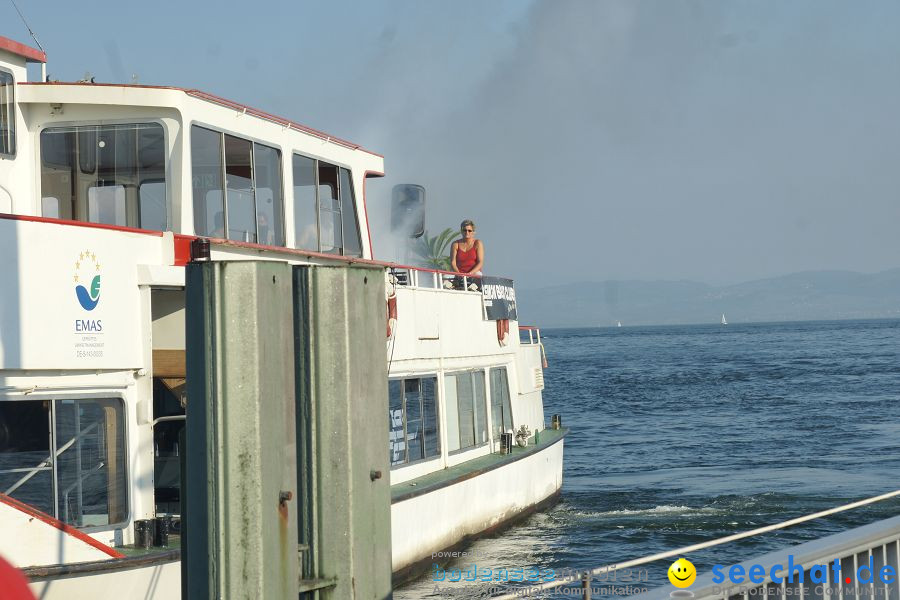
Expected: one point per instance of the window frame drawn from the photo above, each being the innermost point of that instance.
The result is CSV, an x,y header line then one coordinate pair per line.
x,y
126,458
339,191
353,211
167,161
11,113
254,141
437,416
487,408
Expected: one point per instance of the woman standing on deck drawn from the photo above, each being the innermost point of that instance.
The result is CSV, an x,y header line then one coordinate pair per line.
x,y
467,254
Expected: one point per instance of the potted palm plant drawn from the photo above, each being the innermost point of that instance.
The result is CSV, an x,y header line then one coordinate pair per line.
x,y
522,436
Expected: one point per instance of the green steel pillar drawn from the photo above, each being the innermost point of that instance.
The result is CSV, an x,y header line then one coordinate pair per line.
x,y
241,438
342,425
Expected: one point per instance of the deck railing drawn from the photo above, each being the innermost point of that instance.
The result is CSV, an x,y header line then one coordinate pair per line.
x,y
435,279
529,335
862,554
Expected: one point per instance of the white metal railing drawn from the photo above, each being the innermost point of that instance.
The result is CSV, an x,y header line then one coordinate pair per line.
x,y
874,546
434,279
529,335
47,463
846,546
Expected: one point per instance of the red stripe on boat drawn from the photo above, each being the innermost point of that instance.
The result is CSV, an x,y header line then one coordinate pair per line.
x,y
37,514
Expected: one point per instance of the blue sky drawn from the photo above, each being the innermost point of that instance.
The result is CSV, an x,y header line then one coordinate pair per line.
x,y
714,140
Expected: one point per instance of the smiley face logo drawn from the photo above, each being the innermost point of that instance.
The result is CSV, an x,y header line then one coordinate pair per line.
x,y
682,573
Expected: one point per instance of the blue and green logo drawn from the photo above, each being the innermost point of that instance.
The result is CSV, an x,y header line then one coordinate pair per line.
x,y
87,270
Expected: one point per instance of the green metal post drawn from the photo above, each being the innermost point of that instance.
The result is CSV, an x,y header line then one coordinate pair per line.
x,y
342,412
241,502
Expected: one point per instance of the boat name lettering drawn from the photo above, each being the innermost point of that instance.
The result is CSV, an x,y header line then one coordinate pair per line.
x,y
495,291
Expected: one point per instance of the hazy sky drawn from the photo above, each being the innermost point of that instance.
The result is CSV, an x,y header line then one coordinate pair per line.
x,y
711,140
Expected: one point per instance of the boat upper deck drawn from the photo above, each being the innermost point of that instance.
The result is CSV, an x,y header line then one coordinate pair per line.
x,y
174,159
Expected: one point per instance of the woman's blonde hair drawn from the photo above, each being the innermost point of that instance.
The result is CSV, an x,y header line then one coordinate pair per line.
x,y
466,222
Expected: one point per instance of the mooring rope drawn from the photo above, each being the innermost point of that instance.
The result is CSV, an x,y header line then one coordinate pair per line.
x,y
577,577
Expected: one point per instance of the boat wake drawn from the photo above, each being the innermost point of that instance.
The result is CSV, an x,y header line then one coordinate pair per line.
x,y
666,510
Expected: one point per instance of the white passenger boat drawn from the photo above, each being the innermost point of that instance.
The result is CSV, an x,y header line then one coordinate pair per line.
x,y
103,188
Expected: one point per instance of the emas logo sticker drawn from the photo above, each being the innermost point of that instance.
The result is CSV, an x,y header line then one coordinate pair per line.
x,y
87,272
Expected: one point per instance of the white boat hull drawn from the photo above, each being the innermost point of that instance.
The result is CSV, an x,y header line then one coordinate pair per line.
x,y
441,519
151,582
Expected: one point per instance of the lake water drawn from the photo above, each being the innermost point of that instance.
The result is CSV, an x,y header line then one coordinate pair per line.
x,y
682,434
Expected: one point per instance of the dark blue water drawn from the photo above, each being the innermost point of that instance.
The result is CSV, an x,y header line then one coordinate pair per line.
x,y
683,434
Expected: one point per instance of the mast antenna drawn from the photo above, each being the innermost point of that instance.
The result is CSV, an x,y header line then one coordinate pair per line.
x,y
34,37
21,16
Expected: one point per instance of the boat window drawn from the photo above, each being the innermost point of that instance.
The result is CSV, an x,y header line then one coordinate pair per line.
x,y
414,433
306,223
466,410
352,246
251,179
325,216
206,181
7,114
88,436
240,212
330,230
167,444
267,163
26,471
153,204
90,471
501,413
100,174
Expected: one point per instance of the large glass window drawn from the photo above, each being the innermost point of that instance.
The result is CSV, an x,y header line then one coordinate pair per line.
x,y
306,221
501,412
249,174
88,458
240,207
207,182
414,433
324,208
330,230
111,174
7,114
466,410
267,163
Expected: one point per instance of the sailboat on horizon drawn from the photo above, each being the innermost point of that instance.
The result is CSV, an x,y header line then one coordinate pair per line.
x,y
724,322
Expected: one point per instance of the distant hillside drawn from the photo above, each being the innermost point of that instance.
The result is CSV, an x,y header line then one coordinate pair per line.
x,y
796,297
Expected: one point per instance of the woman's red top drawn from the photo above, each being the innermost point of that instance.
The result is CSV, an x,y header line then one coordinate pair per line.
x,y
466,259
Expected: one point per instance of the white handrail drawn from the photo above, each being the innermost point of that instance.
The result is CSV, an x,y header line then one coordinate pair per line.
x,y
531,590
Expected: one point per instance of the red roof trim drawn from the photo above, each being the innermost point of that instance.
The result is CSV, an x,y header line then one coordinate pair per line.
x,y
213,99
68,529
79,224
27,52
